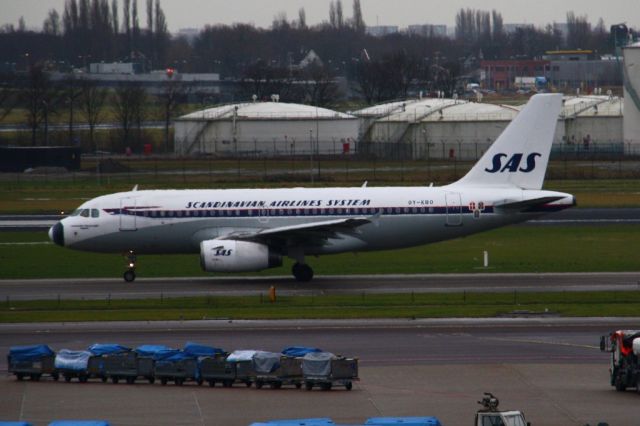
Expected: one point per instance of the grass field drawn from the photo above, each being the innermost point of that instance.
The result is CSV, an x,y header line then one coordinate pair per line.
x,y
512,249
462,305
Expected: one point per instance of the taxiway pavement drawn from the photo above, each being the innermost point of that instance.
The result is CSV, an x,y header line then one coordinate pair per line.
x,y
549,367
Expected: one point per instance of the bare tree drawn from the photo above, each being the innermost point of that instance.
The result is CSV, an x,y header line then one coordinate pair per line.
x,y
357,20
70,92
51,25
7,95
93,99
173,92
38,95
302,19
320,88
339,14
128,106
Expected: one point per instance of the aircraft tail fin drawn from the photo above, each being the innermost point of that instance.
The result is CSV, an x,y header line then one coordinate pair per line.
x,y
520,155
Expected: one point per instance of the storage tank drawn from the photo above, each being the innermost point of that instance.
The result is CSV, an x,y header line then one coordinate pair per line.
x,y
631,122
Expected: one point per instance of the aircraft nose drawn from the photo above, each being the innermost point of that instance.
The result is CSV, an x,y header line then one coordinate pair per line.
x,y
56,234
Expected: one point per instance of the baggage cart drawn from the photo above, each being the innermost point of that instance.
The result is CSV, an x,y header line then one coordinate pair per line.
x,y
242,361
218,370
178,368
32,361
287,372
326,370
112,361
76,364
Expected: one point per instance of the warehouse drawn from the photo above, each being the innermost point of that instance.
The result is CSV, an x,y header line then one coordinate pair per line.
x,y
266,129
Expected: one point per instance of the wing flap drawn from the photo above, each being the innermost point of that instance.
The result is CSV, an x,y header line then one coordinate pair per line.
x,y
305,231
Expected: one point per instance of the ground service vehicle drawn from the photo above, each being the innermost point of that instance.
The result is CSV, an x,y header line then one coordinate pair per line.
x,y
624,369
32,361
489,415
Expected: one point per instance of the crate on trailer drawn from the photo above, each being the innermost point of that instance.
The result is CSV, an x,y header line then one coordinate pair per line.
x,y
72,364
327,370
32,361
146,359
217,369
243,364
111,360
178,367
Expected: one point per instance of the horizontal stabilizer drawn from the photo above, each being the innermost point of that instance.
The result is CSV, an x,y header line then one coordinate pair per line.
x,y
521,205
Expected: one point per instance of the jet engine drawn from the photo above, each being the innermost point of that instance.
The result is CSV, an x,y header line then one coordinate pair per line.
x,y
237,256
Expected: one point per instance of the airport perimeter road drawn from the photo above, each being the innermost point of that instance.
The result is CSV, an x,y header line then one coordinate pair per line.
x,y
116,288
550,368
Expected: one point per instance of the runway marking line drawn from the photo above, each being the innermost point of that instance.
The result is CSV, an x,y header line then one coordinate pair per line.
x,y
540,342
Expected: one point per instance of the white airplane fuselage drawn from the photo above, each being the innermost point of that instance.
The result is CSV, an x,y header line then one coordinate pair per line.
x,y
176,221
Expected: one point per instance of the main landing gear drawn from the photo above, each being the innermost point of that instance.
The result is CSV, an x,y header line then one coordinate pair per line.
x,y
130,274
302,272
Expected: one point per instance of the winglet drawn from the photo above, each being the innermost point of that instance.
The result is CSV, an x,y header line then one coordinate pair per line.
x,y
520,155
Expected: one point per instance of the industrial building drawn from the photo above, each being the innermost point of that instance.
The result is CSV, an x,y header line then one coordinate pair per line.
x,y
266,129
457,129
632,97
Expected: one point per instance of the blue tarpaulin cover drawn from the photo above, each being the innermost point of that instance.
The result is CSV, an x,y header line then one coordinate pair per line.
x,y
298,351
72,360
29,353
15,424
79,423
321,421
404,421
196,349
107,348
151,350
266,362
317,364
175,356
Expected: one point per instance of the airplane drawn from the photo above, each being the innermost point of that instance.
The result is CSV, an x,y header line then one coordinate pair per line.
x,y
244,230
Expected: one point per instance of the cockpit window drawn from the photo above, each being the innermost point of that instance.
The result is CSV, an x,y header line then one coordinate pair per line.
x,y
76,212
84,213
95,213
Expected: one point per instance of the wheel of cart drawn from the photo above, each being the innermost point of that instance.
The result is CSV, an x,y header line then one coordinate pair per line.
x,y
163,381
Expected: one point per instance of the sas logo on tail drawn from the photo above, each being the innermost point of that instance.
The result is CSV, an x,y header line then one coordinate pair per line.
x,y
514,163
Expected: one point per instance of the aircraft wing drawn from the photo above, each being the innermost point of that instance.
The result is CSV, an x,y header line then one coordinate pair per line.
x,y
310,233
523,205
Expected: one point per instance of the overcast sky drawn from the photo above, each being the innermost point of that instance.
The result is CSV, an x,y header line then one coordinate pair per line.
x,y
197,13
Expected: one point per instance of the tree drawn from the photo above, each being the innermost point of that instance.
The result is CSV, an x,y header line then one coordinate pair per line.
x,y
115,21
7,94
578,31
333,20
51,25
128,106
69,93
357,20
339,14
150,16
173,92
93,99
320,88
39,96
302,19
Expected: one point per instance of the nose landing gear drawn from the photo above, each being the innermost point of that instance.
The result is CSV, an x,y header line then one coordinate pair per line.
x,y
130,274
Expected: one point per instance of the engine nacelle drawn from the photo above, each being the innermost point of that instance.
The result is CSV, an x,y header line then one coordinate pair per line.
x,y
237,256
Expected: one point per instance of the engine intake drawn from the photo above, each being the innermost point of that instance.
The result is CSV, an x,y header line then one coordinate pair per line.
x,y
237,256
